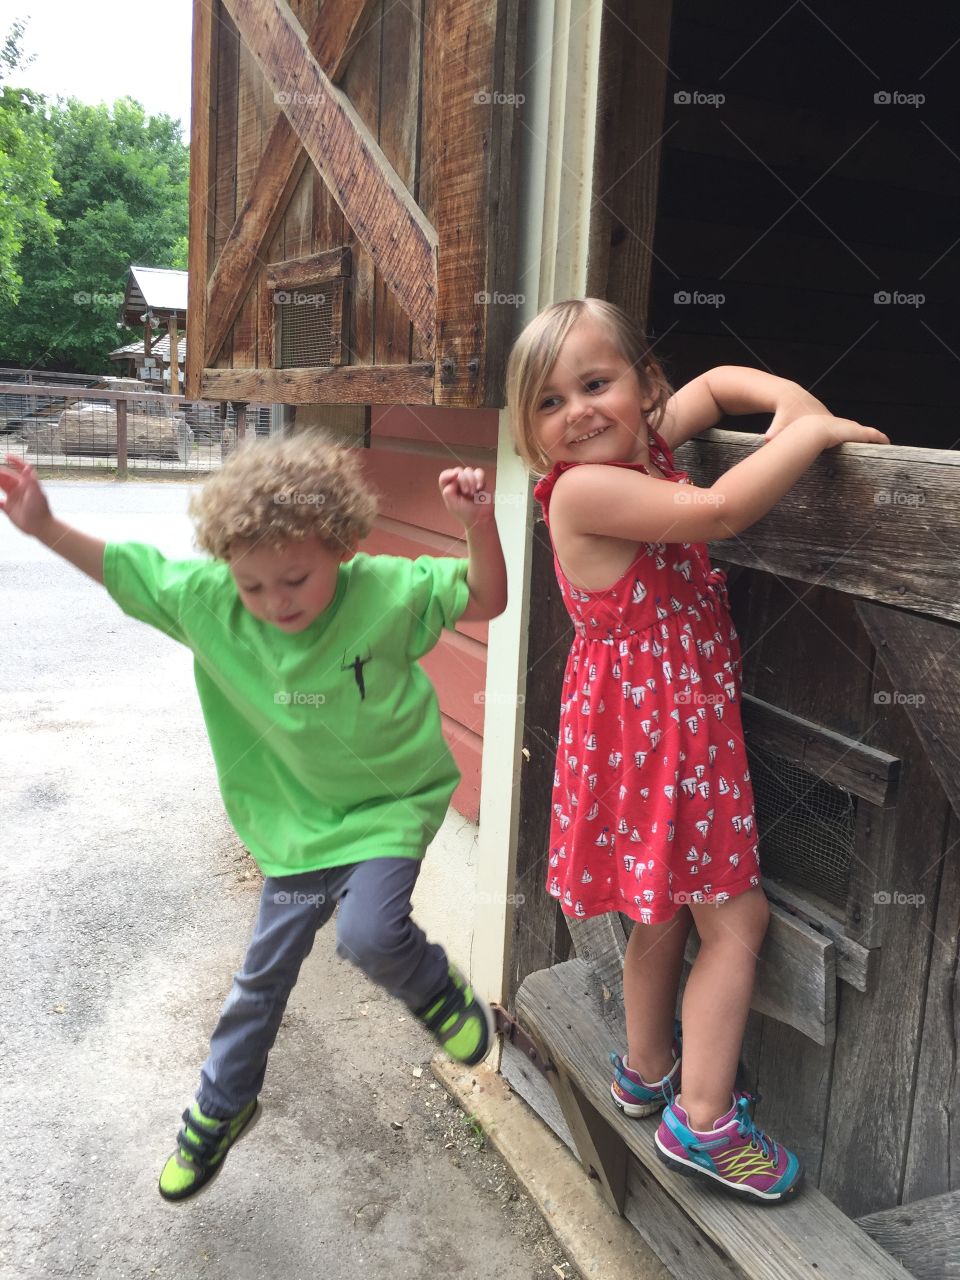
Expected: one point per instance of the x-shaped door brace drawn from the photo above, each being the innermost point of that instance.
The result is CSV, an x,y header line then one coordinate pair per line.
x,y
319,123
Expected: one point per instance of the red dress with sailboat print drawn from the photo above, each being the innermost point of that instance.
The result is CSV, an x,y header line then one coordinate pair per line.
x,y
652,801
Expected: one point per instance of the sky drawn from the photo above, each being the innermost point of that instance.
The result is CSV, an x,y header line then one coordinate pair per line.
x,y
98,51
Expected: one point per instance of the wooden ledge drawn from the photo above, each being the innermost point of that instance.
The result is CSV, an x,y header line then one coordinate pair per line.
x,y
563,1008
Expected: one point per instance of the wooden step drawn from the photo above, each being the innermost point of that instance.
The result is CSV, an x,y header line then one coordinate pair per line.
x,y
924,1235
570,1013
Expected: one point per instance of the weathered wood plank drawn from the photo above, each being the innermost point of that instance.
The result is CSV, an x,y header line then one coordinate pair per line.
x,y
313,269
933,1150
224,176
889,533
794,1074
201,135
806,1236
250,91
924,1236
842,762
361,85
878,1031
399,83
854,962
298,218
281,163
363,384
929,692
630,138
540,933
796,980
374,200
602,941
462,124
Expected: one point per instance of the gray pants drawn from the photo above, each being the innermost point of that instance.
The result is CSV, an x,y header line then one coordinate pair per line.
x,y
374,930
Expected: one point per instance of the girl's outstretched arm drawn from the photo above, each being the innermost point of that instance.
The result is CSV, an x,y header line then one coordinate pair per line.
x,y
466,499
27,508
734,389
613,502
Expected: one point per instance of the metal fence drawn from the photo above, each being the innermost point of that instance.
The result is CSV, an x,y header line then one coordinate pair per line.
x,y
55,424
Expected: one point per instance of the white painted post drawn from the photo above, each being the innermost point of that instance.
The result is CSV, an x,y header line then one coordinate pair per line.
x,y
561,87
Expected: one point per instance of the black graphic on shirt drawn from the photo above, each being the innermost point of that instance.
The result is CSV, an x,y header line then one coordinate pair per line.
x,y
356,666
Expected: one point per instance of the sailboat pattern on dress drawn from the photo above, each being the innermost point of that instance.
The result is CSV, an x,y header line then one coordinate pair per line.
x,y
652,800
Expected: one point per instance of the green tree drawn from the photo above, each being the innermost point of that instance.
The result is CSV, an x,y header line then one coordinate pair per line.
x,y
26,169
122,199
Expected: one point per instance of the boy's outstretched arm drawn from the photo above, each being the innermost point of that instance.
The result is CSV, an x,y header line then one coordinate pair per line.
x,y
26,505
733,389
465,498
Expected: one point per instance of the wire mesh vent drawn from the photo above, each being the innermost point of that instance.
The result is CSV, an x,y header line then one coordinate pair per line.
x,y
806,826
309,322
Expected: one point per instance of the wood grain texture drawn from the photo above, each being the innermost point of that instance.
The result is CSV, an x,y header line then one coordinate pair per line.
x,y
202,134
933,1148
854,962
920,659
807,1236
540,933
890,532
841,761
796,980
363,384
924,1236
466,184
878,1031
244,241
374,201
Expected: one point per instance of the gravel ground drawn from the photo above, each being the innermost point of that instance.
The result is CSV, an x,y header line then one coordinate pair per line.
x,y
125,905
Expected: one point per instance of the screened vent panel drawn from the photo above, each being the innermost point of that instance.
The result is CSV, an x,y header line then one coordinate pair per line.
x,y
806,826
309,325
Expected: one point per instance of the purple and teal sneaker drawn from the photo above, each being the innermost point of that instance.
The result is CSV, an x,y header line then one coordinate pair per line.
x,y
637,1097
734,1154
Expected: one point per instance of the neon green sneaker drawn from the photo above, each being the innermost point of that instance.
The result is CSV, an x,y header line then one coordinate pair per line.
x,y
203,1143
462,1024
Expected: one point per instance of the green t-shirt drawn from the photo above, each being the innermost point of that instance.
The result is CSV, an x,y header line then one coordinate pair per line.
x,y
327,743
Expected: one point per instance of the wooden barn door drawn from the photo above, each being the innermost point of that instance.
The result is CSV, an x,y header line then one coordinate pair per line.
x,y
359,153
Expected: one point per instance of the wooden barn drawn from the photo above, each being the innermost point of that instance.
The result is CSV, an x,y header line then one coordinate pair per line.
x,y
381,196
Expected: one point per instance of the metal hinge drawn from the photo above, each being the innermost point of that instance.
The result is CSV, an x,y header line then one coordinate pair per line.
x,y
511,1030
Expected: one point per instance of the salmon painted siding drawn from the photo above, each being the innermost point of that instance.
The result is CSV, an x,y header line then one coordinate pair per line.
x,y
409,447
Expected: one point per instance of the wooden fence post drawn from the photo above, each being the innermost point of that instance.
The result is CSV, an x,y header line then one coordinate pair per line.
x,y
122,439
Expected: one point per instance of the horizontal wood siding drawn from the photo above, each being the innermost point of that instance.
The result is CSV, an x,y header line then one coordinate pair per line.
x,y
409,447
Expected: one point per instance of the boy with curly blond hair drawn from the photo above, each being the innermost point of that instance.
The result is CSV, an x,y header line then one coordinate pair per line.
x,y
324,729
